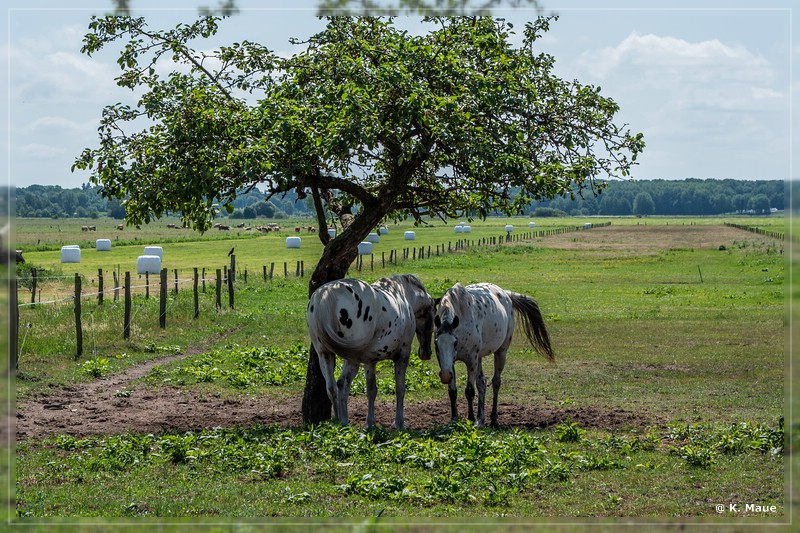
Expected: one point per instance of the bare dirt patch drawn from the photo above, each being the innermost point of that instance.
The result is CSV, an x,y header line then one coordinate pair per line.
x,y
650,238
95,409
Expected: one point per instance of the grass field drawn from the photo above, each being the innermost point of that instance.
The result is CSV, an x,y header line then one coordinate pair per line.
x,y
676,326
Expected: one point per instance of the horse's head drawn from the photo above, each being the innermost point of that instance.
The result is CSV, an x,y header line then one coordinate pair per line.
x,y
423,306
446,344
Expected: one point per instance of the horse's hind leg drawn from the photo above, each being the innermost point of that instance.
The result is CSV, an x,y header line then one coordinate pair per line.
x,y
327,364
372,392
349,371
499,364
400,390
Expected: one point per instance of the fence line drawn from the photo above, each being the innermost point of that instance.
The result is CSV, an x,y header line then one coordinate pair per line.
x,y
230,276
760,231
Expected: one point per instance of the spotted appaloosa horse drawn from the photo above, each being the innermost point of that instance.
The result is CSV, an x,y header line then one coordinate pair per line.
x,y
365,324
475,321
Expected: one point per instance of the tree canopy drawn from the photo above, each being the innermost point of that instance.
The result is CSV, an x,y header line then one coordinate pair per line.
x,y
440,123
371,119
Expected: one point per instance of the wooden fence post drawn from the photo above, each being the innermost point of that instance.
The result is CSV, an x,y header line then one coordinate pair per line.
x,y
271,270
126,325
33,285
147,285
13,341
99,286
196,295
116,285
78,327
232,271
176,281
162,300
230,289
204,280
219,289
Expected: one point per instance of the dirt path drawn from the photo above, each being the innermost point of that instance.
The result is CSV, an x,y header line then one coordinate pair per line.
x,y
94,409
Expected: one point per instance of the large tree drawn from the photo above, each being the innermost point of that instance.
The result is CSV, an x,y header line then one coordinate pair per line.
x,y
371,120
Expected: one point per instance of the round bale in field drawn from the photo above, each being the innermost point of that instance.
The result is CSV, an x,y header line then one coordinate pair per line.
x,y
148,264
71,253
383,230
373,238
588,225
467,229
364,248
509,228
154,250
103,245
531,224
331,233
410,236
293,242
459,229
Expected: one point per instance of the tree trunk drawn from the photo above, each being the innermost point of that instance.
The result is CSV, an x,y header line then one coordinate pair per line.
x,y
339,253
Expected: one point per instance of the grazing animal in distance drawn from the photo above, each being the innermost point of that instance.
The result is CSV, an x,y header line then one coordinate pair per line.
x,y
365,324
475,321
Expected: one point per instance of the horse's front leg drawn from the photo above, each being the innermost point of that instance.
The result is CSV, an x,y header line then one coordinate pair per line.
x,y
480,381
452,392
469,391
400,366
349,371
372,392
499,364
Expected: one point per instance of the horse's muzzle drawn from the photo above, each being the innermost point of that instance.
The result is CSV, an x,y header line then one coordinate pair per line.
x,y
445,377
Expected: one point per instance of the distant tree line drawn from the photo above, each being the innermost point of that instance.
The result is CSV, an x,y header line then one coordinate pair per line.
x,y
621,198
671,197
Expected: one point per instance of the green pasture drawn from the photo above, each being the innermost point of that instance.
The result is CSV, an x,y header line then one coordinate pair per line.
x,y
688,342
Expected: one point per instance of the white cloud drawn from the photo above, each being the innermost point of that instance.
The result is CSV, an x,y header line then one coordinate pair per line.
x,y
40,151
708,73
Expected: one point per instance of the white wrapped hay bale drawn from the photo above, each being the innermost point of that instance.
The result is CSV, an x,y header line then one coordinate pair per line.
x,y
588,225
531,224
293,242
410,236
459,229
154,250
71,254
331,233
364,248
383,230
373,238
148,264
467,229
103,245
509,228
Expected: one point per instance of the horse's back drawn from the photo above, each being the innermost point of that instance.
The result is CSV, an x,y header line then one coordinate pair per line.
x,y
354,320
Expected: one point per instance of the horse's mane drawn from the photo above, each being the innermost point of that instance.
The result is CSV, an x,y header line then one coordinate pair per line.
x,y
404,279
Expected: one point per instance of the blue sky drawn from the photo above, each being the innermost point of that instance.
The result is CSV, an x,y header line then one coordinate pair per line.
x,y
710,84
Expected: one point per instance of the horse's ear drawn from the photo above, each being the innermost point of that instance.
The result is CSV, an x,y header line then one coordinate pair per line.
x,y
437,321
454,324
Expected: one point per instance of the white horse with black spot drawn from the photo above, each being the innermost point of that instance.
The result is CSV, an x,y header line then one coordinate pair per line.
x,y
365,324
475,321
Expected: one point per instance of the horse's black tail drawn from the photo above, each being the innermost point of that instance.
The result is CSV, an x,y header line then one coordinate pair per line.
x,y
528,310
